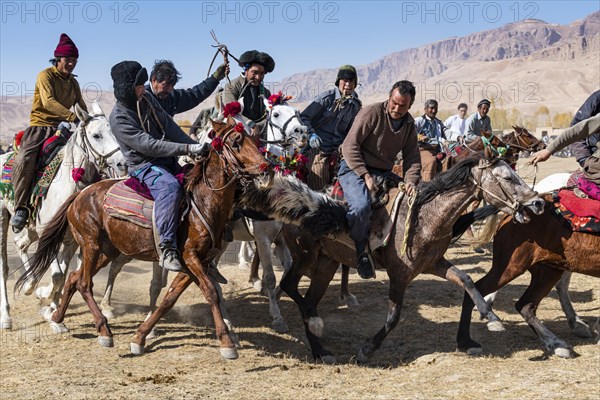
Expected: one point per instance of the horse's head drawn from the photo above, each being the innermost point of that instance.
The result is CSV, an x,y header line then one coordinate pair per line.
x,y
94,136
239,152
500,186
284,126
521,140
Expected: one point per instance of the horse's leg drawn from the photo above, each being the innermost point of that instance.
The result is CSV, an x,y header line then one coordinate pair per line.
x,y
22,242
226,318
346,297
263,250
61,265
245,255
5,318
115,268
282,252
254,278
445,269
158,282
178,286
577,325
398,284
543,277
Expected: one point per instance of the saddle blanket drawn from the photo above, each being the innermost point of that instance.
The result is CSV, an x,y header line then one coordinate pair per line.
x,y
382,223
122,202
579,215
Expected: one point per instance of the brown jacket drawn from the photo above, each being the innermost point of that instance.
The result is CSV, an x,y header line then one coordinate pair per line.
x,y
372,143
53,97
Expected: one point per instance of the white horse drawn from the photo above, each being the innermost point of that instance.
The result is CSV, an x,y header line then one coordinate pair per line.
x,y
285,133
93,149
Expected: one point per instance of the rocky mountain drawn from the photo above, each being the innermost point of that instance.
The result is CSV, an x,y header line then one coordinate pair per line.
x,y
521,65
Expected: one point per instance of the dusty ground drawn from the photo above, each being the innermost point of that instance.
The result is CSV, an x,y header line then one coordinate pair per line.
x,y
417,361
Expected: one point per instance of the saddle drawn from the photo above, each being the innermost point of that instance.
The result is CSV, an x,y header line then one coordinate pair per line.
x,y
576,213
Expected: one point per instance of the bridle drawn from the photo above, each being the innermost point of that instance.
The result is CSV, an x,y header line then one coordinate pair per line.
x,y
521,143
286,141
509,200
86,144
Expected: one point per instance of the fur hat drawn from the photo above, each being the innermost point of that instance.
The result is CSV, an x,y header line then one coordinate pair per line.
x,y
347,72
126,75
482,102
257,57
66,47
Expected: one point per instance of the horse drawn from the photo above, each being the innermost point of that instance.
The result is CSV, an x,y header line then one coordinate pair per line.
x,y
285,136
92,148
436,208
545,248
234,160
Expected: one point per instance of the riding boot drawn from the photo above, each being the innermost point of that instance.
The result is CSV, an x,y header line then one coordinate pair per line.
x,y
19,219
364,264
228,232
169,258
215,275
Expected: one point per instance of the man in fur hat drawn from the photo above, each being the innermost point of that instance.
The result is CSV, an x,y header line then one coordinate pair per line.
x,y
56,92
329,118
151,142
479,121
248,89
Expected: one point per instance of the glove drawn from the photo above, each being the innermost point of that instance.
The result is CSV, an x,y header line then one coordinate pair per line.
x,y
199,150
64,127
221,72
314,141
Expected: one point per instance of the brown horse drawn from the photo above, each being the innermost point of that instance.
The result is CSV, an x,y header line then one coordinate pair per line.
x,y
437,207
545,248
211,187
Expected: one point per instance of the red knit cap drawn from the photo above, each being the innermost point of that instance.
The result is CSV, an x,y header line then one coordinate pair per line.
x,y
66,47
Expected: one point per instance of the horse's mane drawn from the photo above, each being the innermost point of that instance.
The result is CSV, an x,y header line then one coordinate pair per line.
x,y
193,177
445,182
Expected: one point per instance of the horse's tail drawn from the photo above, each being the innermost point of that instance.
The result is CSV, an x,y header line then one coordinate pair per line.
x,y
48,246
291,201
466,220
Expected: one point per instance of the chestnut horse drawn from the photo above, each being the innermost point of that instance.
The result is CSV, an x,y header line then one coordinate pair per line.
x,y
437,207
211,187
545,248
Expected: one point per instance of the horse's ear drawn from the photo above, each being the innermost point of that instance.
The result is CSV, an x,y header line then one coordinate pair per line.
x,y
266,103
216,124
81,113
230,120
96,109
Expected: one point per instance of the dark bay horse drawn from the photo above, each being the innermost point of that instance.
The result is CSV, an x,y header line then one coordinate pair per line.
x,y
437,207
211,186
545,248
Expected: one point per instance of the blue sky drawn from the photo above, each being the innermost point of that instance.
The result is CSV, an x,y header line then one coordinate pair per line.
x,y
300,35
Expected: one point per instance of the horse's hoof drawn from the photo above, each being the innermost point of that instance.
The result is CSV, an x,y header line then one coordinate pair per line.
x,y
58,327
136,349
328,359
581,329
6,323
229,353
350,300
563,352
474,351
108,313
257,284
316,326
106,341
362,357
495,326
152,335
280,326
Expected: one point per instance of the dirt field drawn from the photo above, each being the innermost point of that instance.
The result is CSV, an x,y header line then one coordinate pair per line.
x,y
417,360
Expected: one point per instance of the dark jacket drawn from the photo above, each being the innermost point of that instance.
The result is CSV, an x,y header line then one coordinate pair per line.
x,y
141,145
331,124
182,100
588,146
250,97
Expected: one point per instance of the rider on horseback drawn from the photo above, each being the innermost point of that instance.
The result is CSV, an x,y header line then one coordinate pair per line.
x,y
479,121
379,133
431,132
329,118
56,91
249,90
151,142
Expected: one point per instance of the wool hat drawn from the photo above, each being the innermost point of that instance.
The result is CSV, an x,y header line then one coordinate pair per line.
x,y
126,75
257,57
482,102
346,72
66,47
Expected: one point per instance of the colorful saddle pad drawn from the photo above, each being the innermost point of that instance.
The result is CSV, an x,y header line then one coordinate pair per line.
x,y
579,215
122,202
